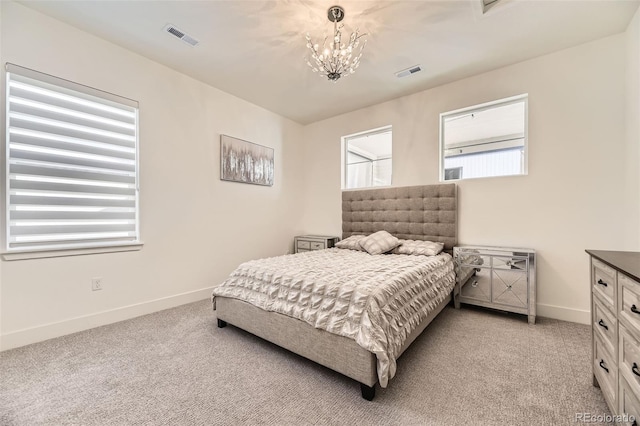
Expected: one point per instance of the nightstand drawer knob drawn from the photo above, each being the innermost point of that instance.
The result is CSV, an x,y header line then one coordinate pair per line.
x,y
602,366
635,310
635,370
602,282
603,325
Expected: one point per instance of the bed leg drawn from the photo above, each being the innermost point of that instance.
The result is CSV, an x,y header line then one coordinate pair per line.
x,y
456,297
368,392
221,323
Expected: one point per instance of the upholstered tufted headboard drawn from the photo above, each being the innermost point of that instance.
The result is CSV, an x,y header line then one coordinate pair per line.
x,y
427,212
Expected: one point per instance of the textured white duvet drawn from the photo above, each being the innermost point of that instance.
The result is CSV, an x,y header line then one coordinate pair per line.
x,y
375,300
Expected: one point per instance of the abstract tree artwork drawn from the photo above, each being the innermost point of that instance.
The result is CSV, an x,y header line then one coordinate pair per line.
x,y
246,162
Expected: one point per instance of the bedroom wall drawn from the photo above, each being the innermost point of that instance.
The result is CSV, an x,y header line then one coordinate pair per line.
x,y
574,196
196,228
632,180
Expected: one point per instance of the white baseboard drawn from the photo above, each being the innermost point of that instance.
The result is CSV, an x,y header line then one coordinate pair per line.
x,y
39,333
564,314
30,335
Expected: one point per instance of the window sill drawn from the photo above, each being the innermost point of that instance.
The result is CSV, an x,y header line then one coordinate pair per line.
x,y
24,255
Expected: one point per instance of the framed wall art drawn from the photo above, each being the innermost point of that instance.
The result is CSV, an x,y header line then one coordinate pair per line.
x,y
245,162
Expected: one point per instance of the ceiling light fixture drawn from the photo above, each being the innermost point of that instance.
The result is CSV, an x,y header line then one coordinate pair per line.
x,y
336,59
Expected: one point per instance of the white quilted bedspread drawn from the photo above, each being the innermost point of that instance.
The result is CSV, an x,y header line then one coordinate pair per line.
x,y
375,300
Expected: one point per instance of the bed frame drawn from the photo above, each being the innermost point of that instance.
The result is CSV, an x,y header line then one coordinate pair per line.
x,y
427,212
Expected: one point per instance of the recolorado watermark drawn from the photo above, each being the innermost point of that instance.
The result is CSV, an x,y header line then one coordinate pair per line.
x,y
604,418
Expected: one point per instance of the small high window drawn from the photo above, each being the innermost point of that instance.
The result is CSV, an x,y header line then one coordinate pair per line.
x,y
367,159
484,140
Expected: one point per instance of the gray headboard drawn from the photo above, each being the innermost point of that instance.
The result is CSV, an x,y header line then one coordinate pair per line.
x,y
426,212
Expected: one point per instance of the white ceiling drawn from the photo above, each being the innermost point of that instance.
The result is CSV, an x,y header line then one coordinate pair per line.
x,y
256,49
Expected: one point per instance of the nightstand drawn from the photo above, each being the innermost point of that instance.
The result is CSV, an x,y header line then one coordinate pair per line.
x,y
313,242
501,278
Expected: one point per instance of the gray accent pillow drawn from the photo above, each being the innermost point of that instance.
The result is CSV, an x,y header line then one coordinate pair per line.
x,y
418,248
379,242
351,243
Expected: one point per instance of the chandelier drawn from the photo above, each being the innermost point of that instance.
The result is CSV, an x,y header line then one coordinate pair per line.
x,y
336,59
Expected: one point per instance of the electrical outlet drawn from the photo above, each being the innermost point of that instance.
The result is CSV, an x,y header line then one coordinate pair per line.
x,y
96,283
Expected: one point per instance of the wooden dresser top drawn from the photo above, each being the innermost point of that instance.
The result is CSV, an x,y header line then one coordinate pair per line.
x,y
627,262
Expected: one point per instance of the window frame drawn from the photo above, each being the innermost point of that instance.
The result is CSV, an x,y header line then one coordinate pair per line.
x,y
524,98
345,154
76,247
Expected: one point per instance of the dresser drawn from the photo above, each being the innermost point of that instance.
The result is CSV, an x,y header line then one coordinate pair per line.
x,y
303,243
502,278
615,325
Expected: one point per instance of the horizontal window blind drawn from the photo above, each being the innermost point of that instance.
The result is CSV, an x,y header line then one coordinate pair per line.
x,y
72,165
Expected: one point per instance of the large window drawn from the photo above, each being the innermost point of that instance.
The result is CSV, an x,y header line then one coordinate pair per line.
x,y
367,159
484,140
71,164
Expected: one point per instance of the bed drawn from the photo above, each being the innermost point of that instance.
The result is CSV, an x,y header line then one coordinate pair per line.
x,y
334,336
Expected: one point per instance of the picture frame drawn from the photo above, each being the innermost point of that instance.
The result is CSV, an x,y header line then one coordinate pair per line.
x,y
246,162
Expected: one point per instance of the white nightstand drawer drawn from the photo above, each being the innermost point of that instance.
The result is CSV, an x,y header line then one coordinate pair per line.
x,y
304,245
474,259
510,287
478,287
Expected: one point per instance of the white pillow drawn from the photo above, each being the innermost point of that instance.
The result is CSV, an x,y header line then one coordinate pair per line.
x,y
351,243
379,242
418,248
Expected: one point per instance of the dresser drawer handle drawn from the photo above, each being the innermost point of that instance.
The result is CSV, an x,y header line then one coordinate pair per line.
x,y
635,310
602,366
603,325
602,282
635,370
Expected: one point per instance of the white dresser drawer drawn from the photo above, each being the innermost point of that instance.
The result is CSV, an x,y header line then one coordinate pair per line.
x,y
629,408
630,302
605,283
615,321
630,358
606,326
606,370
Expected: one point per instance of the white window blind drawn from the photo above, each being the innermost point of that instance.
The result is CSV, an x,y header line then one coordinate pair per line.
x,y
72,165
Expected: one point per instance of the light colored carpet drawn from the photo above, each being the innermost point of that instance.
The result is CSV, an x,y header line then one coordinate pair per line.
x,y
175,367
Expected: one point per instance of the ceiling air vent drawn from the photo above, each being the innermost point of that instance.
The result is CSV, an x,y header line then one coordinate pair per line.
x,y
487,5
171,29
412,70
